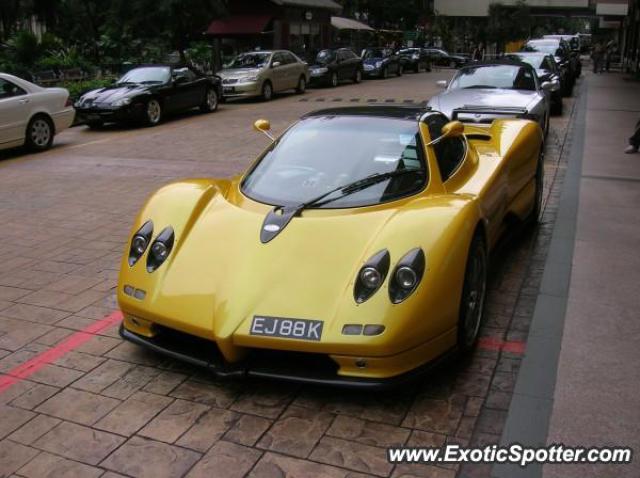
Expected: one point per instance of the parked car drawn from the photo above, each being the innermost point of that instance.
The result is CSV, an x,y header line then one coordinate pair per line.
x,y
382,250
31,115
561,53
335,65
147,94
263,73
414,59
547,70
442,58
574,43
381,62
485,91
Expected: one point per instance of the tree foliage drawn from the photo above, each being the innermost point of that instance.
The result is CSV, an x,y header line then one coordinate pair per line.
x,y
114,30
508,23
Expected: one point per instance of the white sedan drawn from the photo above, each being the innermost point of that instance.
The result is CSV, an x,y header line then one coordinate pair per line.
x,y
31,115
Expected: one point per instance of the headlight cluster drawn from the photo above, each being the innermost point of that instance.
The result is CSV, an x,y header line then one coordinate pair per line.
x,y
122,102
244,79
403,281
378,64
159,250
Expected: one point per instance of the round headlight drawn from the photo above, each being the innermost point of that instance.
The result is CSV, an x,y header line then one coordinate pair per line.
x,y
406,277
139,245
159,251
370,277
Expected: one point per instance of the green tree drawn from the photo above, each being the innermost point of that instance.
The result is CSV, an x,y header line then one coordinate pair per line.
x,y
507,23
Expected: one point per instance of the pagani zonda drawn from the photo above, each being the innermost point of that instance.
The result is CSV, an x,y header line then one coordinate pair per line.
x,y
354,251
147,94
484,91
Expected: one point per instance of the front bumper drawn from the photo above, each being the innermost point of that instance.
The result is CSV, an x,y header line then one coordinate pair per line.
x,y
299,367
132,112
246,89
372,72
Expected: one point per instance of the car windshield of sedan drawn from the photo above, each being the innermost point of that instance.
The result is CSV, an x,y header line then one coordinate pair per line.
x,y
325,57
511,77
533,60
550,47
374,53
321,154
250,60
152,74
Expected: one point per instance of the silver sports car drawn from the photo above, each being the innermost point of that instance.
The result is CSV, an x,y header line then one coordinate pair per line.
x,y
484,91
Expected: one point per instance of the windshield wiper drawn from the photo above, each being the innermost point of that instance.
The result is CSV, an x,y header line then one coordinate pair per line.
x,y
280,216
480,86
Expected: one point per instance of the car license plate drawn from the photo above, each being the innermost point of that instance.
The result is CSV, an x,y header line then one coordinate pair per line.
x,y
229,89
287,328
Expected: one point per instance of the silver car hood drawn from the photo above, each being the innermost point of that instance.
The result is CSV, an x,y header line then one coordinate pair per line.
x,y
485,98
239,72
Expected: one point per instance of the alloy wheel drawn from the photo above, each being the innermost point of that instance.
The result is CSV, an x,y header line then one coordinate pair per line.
x,y
154,112
40,133
267,92
334,79
212,100
475,291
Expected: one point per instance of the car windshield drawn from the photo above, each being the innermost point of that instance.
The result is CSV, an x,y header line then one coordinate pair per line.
x,y
512,77
152,74
409,51
250,60
550,47
320,154
533,60
374,53
326,56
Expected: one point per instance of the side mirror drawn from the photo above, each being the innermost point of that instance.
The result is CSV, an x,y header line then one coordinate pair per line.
x,y
275,64
453,129
552,85
263,126
442,83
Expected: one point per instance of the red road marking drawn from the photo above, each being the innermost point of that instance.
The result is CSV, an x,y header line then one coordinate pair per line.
x,y
36,363
491,343
31,366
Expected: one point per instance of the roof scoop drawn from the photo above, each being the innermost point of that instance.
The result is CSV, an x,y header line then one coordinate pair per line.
x,y
276,221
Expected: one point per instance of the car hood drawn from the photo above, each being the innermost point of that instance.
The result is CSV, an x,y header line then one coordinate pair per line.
x,y
220,274
487,98
231,73
113,93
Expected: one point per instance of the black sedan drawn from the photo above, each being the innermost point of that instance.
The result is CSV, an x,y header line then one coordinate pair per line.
x,y
148,93
442,58
415,59
381,62
333,66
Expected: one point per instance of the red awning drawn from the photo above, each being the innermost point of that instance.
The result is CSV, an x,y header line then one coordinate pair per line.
x,y
239,25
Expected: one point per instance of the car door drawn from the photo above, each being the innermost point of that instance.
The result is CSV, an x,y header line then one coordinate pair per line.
x,y
14,112
278,72
293,69
345,65
184,89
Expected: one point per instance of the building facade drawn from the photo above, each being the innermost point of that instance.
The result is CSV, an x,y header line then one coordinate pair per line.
x,y
302,26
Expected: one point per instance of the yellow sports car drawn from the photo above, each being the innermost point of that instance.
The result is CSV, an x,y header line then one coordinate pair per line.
x,y
353,252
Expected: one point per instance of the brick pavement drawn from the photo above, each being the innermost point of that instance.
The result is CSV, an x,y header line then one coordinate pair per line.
x,y
110,409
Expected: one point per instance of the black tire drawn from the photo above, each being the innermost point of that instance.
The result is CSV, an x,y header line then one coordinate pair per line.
x,y
453,64
267,91
416,69
211,101
400,69
39,134
153,112
333,80
302,85
474,291
385,73
534,217
358,76
557,106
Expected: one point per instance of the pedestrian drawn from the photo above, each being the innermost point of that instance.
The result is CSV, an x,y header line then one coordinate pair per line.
x,y
597,57
634,141
478,53
611,49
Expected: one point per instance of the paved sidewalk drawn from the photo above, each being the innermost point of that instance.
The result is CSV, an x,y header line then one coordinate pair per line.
x,y
586,321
